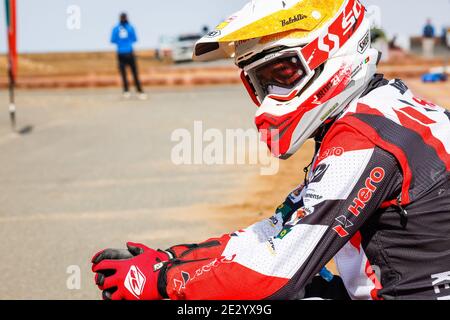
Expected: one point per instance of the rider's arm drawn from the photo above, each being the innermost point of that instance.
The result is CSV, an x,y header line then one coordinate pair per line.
x,y
276,258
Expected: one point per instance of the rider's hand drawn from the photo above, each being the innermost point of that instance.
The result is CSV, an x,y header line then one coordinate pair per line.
x,y
128,274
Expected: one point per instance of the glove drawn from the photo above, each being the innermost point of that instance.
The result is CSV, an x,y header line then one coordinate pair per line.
x,y
129,274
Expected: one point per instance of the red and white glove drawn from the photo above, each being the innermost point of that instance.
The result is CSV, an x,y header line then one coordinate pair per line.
x,y
129,274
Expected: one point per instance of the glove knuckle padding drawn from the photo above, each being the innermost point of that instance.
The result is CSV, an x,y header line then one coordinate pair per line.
x,y
108,283
99,278
111,254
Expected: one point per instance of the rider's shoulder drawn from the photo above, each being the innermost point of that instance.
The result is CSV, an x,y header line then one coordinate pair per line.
x,y
384,96
385,92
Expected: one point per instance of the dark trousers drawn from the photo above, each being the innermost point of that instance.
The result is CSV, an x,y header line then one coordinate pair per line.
x,y
128,59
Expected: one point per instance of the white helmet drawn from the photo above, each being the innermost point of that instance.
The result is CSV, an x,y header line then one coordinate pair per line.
x,y
302,61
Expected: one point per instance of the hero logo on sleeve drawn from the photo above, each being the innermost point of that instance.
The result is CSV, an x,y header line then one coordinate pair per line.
x,y
135,281
365,194
359,203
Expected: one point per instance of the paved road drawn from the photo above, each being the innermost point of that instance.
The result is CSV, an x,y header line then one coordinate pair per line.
x,y
95,171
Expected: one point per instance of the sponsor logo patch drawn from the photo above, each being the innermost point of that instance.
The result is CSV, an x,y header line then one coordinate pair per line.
x,y
285,210
319,173
344,225
135,281
186,277
273,221
335,151
441,285
271,247
294,19
363,44
313,196
214,34
340,231
283,233
365,194
295,196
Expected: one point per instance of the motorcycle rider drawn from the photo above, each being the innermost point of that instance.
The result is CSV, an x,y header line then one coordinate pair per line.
x,y
377,194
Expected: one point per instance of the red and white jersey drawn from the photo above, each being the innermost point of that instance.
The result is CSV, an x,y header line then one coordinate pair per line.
x,y
377,198
417,132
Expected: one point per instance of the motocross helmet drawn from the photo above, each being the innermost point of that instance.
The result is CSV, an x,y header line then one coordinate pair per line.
x,y
302,63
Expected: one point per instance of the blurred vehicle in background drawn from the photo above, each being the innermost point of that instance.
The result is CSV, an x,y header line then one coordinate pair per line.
x,y
179,48
434,77
164,50
437,74
183,47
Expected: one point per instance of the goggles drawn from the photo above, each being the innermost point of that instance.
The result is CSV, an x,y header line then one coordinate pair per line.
x,y
280,75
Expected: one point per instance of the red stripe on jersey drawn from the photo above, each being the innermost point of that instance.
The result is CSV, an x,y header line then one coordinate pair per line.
x,y
368,270
340,231
417,115
373,277
356,241
427,136
389,203
364,108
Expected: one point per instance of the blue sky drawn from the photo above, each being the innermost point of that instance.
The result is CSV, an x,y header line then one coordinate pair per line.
x,y
42,23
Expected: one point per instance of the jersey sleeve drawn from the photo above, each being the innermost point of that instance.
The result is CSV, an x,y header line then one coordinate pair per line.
x,y
277,257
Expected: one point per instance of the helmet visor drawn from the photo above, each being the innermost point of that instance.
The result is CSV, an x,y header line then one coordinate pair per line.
x,y
277,75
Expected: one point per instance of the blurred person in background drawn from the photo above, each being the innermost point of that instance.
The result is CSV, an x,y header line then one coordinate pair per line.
x,y
446,36
428,40
124,36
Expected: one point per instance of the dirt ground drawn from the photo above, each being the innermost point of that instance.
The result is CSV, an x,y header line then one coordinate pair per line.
x,y
74,63
99,69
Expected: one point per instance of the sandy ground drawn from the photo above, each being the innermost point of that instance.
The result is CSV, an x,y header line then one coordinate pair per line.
x,y
438,93
99,69
95,171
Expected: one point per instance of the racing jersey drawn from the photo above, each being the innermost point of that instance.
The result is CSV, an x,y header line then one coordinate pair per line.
x,y
377,199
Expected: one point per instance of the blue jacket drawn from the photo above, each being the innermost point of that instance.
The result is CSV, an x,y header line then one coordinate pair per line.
x,y
428,31
124,35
